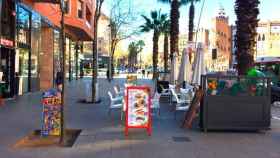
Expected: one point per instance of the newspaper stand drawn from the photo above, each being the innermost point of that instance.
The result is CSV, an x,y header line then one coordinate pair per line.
x,y
51,116
138,108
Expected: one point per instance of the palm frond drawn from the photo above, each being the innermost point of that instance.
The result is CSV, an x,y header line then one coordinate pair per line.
x,y
154,15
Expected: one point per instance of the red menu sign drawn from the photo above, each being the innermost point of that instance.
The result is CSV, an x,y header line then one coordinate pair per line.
x,y
138,108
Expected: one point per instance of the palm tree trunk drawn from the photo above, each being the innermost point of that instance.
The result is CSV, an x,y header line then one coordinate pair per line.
x,y
247,21
165,55
191,25
155,54
174,29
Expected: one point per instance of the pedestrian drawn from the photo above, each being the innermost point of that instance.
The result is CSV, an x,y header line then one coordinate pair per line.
x,y
16,87
143,73
59,80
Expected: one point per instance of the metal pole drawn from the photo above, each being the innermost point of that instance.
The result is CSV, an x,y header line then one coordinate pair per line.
x,y
202,7
69,61
76,59
110,55
62,39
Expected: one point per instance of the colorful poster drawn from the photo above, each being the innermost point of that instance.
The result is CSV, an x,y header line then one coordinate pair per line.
x,y
138,108
51,116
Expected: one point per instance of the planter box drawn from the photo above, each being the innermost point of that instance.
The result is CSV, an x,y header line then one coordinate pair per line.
x,y
241,103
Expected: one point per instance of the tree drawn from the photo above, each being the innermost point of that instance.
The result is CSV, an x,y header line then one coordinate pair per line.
x,y
246,23
191,19
97,13
166,33
174,24
154,24
134,49
121,17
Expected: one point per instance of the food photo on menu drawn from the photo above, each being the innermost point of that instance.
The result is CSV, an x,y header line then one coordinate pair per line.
x,y
138,111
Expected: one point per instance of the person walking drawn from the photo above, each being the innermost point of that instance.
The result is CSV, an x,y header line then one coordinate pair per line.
x,y
143,73
59,80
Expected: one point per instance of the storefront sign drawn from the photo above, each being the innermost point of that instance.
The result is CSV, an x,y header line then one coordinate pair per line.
x,y
138,112
6,42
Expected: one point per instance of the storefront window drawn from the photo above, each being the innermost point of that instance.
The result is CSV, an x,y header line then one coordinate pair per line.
x,y
35,49
67,53
73,64
56,55
23,25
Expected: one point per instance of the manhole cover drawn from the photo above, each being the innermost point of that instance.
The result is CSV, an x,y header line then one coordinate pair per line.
x,y
181,139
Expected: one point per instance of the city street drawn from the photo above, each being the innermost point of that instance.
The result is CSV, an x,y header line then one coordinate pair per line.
x,y
102,136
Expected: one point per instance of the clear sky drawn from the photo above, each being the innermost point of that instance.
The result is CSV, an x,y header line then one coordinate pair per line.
x,y
269,10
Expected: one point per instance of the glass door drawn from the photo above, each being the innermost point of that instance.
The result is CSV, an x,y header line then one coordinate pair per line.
x,y
23,55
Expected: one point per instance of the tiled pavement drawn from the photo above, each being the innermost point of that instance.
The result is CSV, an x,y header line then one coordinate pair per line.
x,y
103,137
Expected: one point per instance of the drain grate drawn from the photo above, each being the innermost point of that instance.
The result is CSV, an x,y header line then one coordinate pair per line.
x,y
181,139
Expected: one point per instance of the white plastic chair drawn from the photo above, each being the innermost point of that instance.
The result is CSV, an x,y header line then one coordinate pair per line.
x,y
115,103
172,87
119,92
155,103
181,104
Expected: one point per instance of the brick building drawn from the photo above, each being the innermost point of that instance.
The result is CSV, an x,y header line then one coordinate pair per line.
x,y
31,49
220,43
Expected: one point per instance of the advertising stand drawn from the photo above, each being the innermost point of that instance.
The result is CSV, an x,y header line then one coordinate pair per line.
x,y
51,116
138,108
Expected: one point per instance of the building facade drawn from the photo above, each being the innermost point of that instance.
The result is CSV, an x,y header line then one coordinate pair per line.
x,y
268,39
104,35
220,43
7,47
30,42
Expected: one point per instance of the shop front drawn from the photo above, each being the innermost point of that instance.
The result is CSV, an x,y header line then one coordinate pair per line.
x,y
7,48
28,39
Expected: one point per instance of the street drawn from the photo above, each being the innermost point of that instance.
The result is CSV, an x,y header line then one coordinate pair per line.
x,y
102,136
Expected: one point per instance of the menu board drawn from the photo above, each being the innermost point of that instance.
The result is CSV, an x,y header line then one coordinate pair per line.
x,y
138,108
51,116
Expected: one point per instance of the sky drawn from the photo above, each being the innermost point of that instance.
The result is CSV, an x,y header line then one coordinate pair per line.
x,y
269,10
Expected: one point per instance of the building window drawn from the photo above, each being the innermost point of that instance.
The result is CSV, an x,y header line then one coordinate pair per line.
x,y
67,6
80,9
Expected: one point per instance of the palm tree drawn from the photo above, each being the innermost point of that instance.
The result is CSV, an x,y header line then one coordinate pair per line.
x,y
134,48
174,24
166,33
154,24
246,23
191,18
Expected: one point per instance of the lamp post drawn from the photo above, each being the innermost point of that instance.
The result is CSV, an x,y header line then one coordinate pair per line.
x,y
77,47
110,53
62,46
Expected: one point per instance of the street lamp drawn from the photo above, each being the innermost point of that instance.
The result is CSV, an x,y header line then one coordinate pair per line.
x,y
62,39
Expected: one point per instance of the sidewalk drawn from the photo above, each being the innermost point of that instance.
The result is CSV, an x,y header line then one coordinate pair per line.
x,y
103,137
